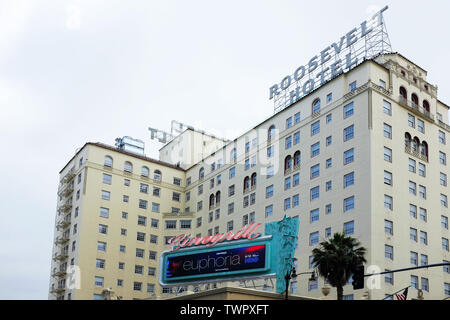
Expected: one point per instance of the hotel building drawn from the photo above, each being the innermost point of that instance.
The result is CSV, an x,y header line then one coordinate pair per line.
x,y
364,154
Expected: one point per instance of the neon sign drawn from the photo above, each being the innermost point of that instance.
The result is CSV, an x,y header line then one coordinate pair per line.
x,y
182,241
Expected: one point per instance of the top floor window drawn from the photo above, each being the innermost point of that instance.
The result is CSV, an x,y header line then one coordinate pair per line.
x,y
145,172
157,175
128,167
108,161
271,133
201,173
316,106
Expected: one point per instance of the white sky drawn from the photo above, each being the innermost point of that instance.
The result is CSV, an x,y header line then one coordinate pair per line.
x,y
78,71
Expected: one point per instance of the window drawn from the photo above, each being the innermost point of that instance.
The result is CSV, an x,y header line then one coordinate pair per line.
x,y
314,238
106,195
349,228
388,202
443,179
100,263
387,154
423,237
157,176
314,193
155,207
315,128
387,131
349,156
328,186
442,158
124,215
297,118
296,179
445,244
348,110
142,204
270,171
412,188
414,282
232,173
99,281
142,221
424,284
137,286
107,178
414,258
108,162
444,222
269,211
420,125
423,260
389,252
329,163
442,138
104,212
231,208
387,109
230,226
185,224
352,86
177,181
316,106
287,204
422,192
327,232
140,236
447,289
349,133
388,178
329,141
101,246
315,171
270,152
288,122
315,149
297,138
295,201
411,121
145,172
349,204
388,227
103,229
422,170
314,215
139,253
328,209
444,201
287,183
389,278
269,191
413,234
423,214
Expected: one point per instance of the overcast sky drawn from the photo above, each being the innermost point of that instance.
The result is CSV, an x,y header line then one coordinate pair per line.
x,y
78,71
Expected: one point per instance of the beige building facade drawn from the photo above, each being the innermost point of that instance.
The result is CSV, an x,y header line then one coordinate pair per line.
x,y
365,154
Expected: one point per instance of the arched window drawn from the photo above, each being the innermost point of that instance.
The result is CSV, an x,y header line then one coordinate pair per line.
x,y
287,163
297,158
426,105
403,93
407,140
271,133
157,175
217,197
253,179
108,161
415,144
246,183
424,149
316,106
128,167
145,172
201,173
211,200
415,99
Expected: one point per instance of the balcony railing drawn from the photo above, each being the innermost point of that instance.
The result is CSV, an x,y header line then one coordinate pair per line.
x,y
66,192
69,176
60,256
416,154
418,110
67,207
62,240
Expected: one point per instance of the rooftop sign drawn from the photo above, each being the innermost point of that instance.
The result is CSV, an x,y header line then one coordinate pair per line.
x,y
361,43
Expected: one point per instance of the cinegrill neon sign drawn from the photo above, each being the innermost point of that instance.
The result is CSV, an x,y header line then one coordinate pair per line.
x,y
183,241
335,59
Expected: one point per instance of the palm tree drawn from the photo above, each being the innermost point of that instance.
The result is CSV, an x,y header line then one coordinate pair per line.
x,y
336,259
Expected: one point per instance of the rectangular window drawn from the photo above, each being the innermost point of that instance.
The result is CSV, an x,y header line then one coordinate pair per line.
x,y
423,237
388,202
389,252
387,154
287,204
412,165
442,138
388,178
329,97
314,193
442,158
388,227
143,188
387,109
296,179
421,125
287,183
422,192
314,238
288,142
349,204
414,258
107,178
142,221
315,171
411,121
288,122
329,118
295,201
424,284
348,110
314,215
349,228
315,128
106,195
155,207
297,118
270,152
349,133
296,138
387,131
349,156
444,201
413,234
422,170
352,86
443,179
412,188
232,173
104,212
444,222
445,244
423,214
98,281
414,282
269,211
142,204
269,191
329,163
315,149
101,246
389,278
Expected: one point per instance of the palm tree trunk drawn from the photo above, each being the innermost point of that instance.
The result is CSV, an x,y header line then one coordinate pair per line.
x,y
340,293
